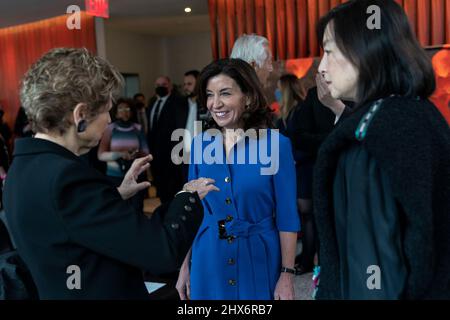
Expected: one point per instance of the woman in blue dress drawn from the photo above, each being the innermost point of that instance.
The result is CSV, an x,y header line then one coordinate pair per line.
x,y
245,247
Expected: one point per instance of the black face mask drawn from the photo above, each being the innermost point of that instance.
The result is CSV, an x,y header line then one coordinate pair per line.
x,y
162,91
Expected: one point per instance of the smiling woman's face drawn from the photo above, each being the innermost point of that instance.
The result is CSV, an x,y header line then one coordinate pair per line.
x,y
225,101
340,74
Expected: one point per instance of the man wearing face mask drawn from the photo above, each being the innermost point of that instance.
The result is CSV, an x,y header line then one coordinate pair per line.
x,y
167,112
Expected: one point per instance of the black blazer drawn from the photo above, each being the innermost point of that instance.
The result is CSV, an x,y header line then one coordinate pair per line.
x,y
62,212
314,122
173,116
168,177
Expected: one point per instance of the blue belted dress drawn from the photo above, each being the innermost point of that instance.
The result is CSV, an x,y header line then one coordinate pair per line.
x,y
236,253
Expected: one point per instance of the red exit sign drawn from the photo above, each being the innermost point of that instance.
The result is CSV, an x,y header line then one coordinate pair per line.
x,y
98,8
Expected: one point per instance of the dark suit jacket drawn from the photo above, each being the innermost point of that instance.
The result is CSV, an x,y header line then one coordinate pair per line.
x,y
202,115
62,212
314,122
168,177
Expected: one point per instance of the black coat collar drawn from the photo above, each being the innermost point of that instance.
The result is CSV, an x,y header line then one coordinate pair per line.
x,y
31,146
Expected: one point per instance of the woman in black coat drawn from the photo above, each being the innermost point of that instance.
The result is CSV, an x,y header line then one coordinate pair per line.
x,y
381,181
72,227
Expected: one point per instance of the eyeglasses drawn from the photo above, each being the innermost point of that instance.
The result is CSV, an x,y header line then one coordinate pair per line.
x,y
123,109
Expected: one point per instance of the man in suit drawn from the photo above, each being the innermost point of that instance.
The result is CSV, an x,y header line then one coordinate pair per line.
x,y
189,89
195,113
167,112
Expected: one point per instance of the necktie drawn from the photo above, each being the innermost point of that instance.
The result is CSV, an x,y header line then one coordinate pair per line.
x,y
156,114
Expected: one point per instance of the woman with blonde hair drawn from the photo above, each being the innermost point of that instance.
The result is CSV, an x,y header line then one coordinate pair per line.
x,y
291,94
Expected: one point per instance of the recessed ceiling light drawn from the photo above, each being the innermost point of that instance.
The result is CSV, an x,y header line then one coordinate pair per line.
x,y
187,10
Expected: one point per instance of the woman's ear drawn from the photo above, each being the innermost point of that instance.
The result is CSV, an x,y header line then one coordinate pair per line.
x,y
79,117
248,102
79,113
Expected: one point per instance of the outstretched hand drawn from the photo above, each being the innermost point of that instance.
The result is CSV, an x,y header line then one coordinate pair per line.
x,y
202,186
130,186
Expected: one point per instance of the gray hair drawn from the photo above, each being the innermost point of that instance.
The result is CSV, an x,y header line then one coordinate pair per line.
x,y
250,48
60,80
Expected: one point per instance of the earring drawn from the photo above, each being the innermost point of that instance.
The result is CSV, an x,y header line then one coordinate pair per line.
x,y
81,127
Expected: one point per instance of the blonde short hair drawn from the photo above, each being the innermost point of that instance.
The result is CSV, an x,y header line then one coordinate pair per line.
x,y
60,80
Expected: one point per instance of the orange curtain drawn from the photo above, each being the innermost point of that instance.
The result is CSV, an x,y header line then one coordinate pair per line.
x,y
447,21
270,24
441,97
20,46
291,27
290,24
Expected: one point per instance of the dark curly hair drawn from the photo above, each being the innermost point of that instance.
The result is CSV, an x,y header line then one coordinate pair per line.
x,y
120,101
258,115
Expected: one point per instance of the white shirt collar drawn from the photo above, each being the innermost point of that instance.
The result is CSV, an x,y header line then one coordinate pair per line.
x,y
163,99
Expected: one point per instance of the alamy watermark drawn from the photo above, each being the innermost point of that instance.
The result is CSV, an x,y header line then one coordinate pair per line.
x,y
74,279
374,280
74,20
263,148
374,21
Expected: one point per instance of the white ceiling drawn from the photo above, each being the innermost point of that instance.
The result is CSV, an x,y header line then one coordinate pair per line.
x,y
156,17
